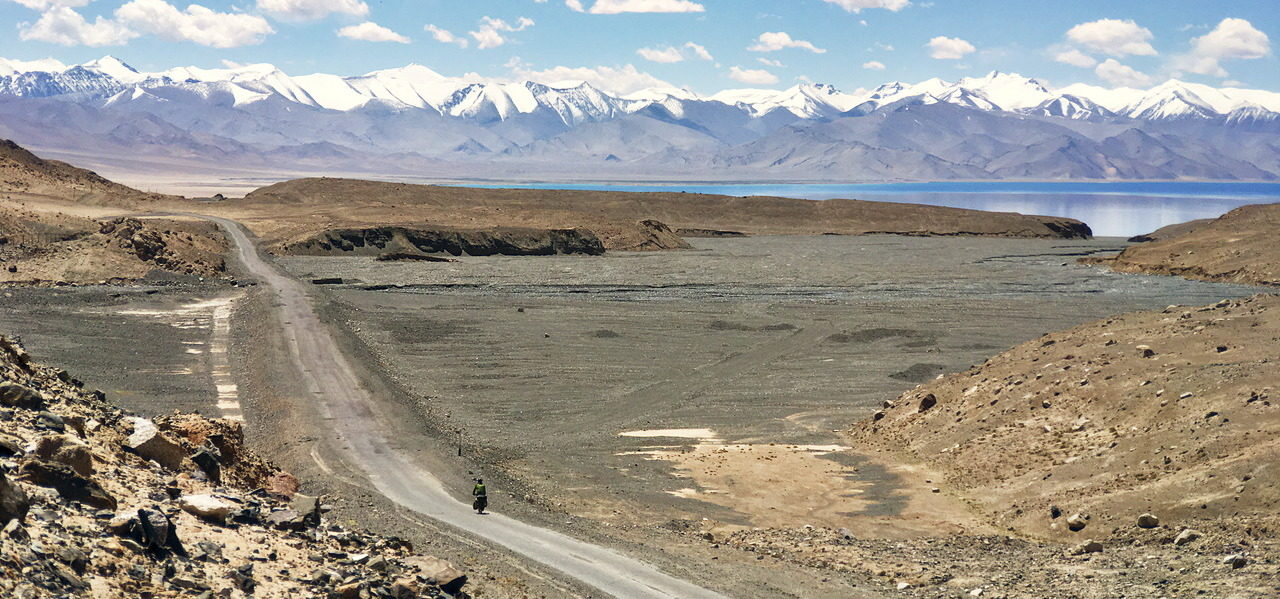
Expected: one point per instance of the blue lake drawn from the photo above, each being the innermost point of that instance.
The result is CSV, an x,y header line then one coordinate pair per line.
x,y
1120,209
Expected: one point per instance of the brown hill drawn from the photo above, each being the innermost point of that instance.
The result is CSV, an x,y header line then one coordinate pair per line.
x,y
22,172
294,212
1174,413
1238,247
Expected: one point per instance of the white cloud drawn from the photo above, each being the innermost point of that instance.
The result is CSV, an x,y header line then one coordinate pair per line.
x,y
575,5
372,32
489,35
671,54
613,7
310,10
699,52
859,5
445,36
43,5
873,65
1113,37
1075,58
949,48
665,55
197,24
1232,39
752,76
619,80
67,27
769,62
1120,75
772,41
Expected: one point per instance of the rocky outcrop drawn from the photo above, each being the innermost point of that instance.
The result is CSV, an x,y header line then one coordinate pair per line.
x,y
85,505
482,242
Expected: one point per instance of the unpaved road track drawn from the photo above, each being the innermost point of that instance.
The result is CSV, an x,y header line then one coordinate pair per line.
x,y
353,414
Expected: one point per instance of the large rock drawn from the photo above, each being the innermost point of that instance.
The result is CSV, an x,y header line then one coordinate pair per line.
x,y
1077,522
442,573
208,507
14,502
67,483
147,441
1187,536
18,396
1148,521
65,450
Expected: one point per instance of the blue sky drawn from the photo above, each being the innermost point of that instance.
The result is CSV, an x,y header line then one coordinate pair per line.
x,y
704,45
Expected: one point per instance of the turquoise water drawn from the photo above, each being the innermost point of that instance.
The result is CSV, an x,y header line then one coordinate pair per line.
x,y
1120,209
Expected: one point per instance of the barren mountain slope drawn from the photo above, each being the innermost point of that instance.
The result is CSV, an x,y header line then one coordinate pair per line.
x,y
1174,413
22,172
46,235
1238,247
294,211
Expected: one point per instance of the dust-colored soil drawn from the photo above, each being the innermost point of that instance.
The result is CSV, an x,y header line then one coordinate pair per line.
x,y
60,224
1239,247
22,172
290,213
56,248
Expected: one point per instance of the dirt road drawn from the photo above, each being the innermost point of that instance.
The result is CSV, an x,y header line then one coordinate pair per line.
x,y
356,421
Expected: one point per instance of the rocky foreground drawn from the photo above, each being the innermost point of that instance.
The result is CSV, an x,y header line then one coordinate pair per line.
x,y
95,502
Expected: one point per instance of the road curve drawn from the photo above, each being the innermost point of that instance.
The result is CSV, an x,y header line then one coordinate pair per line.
x,y
351,410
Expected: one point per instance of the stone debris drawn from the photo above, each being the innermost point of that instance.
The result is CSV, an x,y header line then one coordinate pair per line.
x,y
1089,546
208,507
147,441
1187,536
95,502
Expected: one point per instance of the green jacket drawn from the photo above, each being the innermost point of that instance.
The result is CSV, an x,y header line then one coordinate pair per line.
x,y
479,491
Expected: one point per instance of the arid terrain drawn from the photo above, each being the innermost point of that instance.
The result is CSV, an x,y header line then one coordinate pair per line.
x,y
1238,247
764,410
289,216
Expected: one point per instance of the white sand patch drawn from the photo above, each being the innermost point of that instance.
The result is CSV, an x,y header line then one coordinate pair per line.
x,y
679,433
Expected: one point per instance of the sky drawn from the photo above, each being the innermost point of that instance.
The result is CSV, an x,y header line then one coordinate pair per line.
x,y
701,45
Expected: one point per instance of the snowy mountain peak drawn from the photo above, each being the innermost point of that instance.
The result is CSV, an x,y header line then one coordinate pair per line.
x,y
115,68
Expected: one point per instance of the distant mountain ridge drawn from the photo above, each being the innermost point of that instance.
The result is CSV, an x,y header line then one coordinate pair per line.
x,y
414,120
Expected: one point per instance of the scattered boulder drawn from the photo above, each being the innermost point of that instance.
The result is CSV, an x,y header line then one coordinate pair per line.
x,y
208,507
14,502
66,450
147,441
1236,561
18,396
1148,521
1089,546
927,402
1187,536
442,573
67,483
1077,522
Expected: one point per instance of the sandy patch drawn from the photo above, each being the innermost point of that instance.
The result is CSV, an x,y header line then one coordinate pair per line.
x,y
793,485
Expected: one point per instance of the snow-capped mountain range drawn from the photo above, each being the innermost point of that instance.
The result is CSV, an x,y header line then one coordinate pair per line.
x,y
413,119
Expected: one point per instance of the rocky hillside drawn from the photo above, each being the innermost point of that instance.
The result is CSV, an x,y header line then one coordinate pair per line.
x,y
44,248
25,173
1238,247
1077,434
95,502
